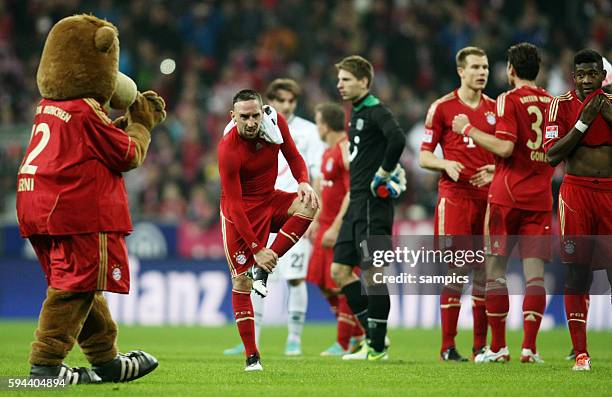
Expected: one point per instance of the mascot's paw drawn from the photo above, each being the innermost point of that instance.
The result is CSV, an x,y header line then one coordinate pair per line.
x,y
126,367
70,376
149,109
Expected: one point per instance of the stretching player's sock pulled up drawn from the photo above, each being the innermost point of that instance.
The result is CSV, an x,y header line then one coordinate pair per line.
x,y
290,233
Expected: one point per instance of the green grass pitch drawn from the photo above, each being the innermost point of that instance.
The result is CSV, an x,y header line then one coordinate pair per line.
x,y
191,363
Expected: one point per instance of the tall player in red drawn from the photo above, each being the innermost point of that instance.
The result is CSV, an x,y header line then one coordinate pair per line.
x,y
334,189
251,208
520,200
579,132
466,170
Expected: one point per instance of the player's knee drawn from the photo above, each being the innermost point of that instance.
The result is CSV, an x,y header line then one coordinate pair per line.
x,y
578,278
340,274
242,283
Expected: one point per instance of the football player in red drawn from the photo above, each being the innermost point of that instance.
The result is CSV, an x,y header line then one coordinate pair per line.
x,y
250,206
334,189
520,200
579,132
466,171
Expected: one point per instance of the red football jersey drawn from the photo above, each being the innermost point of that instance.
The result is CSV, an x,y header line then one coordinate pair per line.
x,y
334,183
522,180
70,180
248,171
438,130
563,113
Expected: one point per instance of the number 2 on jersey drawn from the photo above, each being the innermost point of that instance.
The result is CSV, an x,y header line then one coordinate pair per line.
x,y
27,167
536,127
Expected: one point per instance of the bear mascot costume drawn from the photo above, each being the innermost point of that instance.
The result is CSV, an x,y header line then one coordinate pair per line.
x,y
72,202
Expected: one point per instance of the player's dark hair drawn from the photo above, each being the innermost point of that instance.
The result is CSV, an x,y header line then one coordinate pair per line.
x,y
463,53
358,66
283,84
588,55
246,95
525,60
332,114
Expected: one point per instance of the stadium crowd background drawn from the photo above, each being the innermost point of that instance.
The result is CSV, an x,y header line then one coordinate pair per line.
x,y
219,47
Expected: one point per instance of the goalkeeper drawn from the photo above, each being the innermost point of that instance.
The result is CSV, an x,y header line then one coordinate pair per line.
x,y
376,142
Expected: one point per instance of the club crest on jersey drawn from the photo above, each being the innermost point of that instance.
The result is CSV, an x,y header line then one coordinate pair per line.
x,y
240,257
428,136
116,272
359,124
490,118
258,146
329,165
552,131
569,247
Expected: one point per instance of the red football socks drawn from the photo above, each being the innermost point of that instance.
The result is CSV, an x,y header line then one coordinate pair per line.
x,y
479,317
576,310
290,233
497,305
534,304
346,322
245,320
450,304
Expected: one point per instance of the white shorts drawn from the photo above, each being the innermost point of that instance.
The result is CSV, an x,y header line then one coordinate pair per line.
x,y
294,264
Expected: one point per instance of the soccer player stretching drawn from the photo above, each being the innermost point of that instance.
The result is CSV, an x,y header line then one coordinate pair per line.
x,y
578,131
376,144
334,188
282,95
520,201
467,170
251,208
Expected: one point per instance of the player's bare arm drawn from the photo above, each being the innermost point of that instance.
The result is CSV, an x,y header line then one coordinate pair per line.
x,y
606,109
499,147
430,161
331,234
566,145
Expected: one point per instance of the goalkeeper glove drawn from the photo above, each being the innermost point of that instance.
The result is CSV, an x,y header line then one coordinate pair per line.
x,y
389,185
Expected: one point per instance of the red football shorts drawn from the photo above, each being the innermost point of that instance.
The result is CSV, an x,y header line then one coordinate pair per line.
x,y
505,226
459,216
84,262
319,267
584,211
463,219
265,216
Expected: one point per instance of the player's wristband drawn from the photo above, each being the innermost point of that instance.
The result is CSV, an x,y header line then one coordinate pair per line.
x,y
580,126
465,131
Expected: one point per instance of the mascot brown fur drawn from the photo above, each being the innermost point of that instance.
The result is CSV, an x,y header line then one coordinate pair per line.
x,y
78,74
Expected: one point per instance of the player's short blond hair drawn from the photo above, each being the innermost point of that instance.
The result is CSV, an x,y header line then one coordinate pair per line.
x,y
463,53
358,66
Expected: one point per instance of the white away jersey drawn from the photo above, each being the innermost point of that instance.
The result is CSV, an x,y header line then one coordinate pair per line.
x,y
310,146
